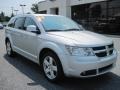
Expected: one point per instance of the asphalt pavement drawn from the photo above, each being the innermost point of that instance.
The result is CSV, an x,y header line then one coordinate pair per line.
x,y
18,73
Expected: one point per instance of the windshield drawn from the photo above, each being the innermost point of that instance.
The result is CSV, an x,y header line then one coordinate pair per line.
x,y
58,23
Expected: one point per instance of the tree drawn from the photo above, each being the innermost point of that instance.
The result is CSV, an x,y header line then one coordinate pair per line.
x,y
34,8
2,17
7,18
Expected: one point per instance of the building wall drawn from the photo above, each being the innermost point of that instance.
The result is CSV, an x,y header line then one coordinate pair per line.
x,y
64,6
60,4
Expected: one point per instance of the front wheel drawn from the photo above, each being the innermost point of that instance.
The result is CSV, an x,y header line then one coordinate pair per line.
x,y
9,48
52,67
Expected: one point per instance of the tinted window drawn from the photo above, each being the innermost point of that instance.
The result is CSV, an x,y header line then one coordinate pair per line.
x,y
28,22
11,23
19,23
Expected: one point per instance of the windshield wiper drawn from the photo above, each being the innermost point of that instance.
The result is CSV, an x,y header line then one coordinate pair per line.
x,y
72,29
52,30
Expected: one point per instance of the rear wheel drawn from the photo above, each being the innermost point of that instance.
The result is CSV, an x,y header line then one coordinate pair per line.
x,y
9,48
52,67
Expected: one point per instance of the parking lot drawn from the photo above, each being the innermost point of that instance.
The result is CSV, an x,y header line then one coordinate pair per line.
x,y
18,73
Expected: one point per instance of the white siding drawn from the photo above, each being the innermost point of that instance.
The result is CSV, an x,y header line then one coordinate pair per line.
x,y
77,2
64,9
42,5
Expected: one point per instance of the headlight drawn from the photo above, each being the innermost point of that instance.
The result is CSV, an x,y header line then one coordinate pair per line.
x,y
73,50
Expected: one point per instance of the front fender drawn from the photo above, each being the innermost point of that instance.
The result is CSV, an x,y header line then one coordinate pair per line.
x,y
59,50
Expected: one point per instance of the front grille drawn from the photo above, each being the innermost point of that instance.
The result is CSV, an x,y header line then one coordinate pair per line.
x,y
99,48
103,51
111,46
102,54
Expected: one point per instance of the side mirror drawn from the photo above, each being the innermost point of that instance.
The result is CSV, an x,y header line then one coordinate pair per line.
x,y
33,28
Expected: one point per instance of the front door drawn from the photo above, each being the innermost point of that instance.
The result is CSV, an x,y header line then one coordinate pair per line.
x,y
30,40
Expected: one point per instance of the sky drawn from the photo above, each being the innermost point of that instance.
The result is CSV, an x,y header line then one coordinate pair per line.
x,y
5,6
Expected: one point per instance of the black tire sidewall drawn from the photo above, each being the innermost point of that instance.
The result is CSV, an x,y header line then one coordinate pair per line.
x,y
59,66
11,53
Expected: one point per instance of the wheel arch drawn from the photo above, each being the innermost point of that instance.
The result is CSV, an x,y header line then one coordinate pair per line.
x,y
6,39
44,50
56,50
9,38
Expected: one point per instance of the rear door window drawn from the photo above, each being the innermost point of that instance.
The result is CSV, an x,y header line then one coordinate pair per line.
x,y
19,23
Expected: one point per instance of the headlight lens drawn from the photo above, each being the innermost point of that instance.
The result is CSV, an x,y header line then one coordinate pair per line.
x,y
73,50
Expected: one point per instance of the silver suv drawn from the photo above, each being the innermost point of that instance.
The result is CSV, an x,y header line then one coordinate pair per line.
x,y
60,46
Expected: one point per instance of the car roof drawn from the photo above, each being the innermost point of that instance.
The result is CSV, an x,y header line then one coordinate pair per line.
x,y
45,15
34,15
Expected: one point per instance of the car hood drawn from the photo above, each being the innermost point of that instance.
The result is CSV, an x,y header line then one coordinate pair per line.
x,y
82,38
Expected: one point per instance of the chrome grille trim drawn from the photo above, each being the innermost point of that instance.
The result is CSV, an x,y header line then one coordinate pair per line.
x,y
100,51
103,51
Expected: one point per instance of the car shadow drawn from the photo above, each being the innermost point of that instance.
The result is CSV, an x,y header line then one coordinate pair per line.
x,y
108,81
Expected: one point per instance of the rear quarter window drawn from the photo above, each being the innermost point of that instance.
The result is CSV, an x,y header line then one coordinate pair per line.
x,y
11,22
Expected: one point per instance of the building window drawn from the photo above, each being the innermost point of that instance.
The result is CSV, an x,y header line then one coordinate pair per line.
x,y
54,11
101,17
43,12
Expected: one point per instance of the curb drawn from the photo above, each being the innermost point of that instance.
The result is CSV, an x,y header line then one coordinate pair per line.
x,y
114,36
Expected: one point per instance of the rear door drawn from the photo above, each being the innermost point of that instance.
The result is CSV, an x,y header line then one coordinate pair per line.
x,y
16,33
9,30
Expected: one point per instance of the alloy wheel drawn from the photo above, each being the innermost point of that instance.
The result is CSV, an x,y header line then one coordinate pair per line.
x,y
50,67
8,48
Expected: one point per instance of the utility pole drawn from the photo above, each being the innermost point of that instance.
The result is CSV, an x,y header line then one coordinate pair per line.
x,y
12,8
22,6
16,11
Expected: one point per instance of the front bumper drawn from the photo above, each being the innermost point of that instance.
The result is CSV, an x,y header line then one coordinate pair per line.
x,y
90,66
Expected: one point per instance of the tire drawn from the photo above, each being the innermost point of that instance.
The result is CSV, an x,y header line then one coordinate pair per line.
x,y
52,67
9,49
